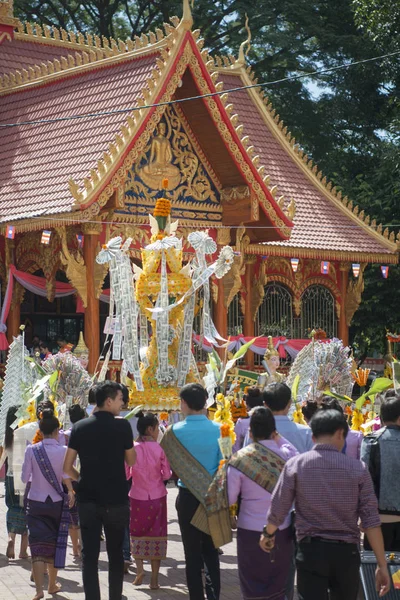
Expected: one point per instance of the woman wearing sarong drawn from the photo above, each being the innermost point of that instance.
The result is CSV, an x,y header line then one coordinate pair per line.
x,y
148,500
252,398
16,521
252,475
47,508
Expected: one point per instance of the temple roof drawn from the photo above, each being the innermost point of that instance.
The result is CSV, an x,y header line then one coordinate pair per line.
x,y
65,167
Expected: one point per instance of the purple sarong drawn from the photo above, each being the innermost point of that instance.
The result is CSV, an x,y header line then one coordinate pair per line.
x,y
264,576
43,520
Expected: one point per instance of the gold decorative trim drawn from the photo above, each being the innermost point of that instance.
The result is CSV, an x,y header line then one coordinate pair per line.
x,y
323,254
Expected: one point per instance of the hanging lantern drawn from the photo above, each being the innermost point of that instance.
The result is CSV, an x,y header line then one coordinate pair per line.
x,y
325,267
385,271
356,269
295,264
46,235
10,232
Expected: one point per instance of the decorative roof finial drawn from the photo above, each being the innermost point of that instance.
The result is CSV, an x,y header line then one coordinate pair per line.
x,y
241,59
187,19
7,21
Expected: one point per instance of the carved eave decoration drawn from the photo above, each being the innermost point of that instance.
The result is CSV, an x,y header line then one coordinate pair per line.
x,y
228,64
354,292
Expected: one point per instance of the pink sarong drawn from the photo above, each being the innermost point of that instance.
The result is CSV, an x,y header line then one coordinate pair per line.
x,y
148,528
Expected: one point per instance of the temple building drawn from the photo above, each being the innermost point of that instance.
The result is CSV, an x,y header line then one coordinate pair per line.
x,y
90,127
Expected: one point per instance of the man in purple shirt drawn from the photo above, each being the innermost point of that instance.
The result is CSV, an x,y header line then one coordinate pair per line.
x,y
331,492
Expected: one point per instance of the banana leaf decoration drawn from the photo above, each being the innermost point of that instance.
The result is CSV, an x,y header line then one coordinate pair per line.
x,y
241,352
381,384
295,387
338,396
134,412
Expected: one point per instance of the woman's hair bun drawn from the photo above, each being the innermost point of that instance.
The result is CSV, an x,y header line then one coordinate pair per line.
x,y
47,413
140,414
253,391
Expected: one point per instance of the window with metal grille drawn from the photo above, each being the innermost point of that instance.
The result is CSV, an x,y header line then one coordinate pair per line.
x,y
318,311
235,317
275,315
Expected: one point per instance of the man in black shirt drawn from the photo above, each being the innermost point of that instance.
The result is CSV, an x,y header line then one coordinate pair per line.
x,y
103,444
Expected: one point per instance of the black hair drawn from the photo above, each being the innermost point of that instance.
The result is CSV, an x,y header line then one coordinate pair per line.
x,y
329,403
125,393
309,409
9,433
92,394
60,338
107,389
262,423
44,344
390,407
328,422
277,396
145,420
44,405
48,422
76,413
195,396
253,397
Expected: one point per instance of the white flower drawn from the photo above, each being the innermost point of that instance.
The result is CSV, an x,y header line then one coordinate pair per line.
x,y
109,250
197,239
165,244
224,262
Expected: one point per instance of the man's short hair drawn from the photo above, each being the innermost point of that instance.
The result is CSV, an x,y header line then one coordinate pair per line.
x,y
92,394
390,407
195,396
277,396
328,422
107,389
43,405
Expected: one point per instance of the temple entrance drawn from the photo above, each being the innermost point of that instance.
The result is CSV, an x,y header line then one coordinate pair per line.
x,y
50,320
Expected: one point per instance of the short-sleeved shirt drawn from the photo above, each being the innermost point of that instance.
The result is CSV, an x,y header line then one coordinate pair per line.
x,y
101,441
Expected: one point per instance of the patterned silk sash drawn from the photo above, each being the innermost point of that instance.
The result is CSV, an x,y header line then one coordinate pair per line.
x,y
48,473
260,464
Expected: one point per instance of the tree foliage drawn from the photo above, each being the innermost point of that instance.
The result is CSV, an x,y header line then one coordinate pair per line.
x,y
347,120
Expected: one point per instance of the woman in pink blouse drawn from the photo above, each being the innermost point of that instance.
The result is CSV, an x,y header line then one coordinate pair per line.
x,y
252,476
148,499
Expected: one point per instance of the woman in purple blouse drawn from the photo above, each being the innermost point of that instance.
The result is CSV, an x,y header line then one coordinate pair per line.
x,y
252,399
47,507
252,475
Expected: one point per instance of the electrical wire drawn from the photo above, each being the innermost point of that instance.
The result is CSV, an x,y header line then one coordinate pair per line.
x,y
201,96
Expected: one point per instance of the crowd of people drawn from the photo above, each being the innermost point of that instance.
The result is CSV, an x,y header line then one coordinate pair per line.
x,y
299,497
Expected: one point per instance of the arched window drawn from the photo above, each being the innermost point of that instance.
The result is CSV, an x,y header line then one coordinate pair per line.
x,y
235,317
318,311
275,315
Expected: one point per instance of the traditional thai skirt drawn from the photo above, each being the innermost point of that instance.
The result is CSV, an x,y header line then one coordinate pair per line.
x,y
43,520
148,528
16,520
264,576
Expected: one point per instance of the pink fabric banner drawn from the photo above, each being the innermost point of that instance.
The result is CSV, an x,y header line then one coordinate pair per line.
x,y
282,344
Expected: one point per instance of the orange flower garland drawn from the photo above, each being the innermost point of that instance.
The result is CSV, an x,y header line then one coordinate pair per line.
x,y
38,437
162,208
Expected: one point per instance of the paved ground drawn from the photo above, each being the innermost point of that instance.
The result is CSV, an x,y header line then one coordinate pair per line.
x,y
15,584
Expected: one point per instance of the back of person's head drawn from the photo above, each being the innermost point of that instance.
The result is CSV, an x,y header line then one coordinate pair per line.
x,y
44,405
329,403
253,397
125,393
10,420
390,407
262,423
44,345
48,422
92,394
277,396
194,395
145,420
328,422
309,409
107,389
76,413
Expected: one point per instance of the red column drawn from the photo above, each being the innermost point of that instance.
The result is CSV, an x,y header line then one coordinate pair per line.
x,y
248,322
92,312
344,282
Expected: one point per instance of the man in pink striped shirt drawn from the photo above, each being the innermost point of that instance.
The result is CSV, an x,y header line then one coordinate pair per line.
x,y
331,492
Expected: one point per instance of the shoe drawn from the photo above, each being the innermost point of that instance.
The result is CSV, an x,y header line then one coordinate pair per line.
x,y
127,564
